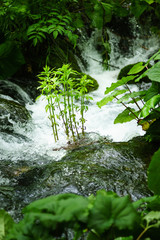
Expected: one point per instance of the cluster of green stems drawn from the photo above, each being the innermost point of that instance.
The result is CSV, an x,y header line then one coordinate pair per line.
x,y
63,89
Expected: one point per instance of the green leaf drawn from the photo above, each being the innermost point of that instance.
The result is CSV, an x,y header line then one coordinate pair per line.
x,y
149,105
124,238
108,11
149,1
126,116
136,68
119,83
154,73
153,219
153,173
152,91
127,96
109,98
6,223
157,57
97,16
55,34
110,211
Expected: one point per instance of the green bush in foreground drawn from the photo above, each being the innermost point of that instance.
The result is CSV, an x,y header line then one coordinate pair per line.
x,y
104,216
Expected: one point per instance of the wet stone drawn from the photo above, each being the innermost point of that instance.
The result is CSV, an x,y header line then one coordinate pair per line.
x,y
119,167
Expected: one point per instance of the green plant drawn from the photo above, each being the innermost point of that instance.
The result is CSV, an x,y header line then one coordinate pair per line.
x,y
104,216
61,87
149,112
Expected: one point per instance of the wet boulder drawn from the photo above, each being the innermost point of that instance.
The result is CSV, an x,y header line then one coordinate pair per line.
x,y
12,112
92,164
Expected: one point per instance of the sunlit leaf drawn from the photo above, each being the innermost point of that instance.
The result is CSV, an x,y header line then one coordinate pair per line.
x,y
149,105
109,98
136,68
153,219
153,173
154,72
6,223
119,83
126,116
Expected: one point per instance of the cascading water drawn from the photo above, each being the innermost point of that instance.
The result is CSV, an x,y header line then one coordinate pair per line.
x,y
33,144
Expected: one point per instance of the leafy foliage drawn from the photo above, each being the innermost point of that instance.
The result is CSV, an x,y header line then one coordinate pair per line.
x,y
149,113
153,173
61,87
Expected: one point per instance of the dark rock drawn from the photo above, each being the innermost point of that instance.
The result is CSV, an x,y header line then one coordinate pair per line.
x,y
88,167
12,112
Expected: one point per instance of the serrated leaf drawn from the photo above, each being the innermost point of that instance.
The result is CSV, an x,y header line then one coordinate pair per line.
x,y
110,211
136,68
126,116
127,96
149,105
154,73
152,91
119,83
109,98
153,216
153,173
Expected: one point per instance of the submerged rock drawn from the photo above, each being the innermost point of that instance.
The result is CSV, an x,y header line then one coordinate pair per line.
x,y
12,112
93,165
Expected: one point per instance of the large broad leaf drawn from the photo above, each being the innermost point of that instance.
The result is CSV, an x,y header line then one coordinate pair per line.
x,y
11,59
6,223
97,16
126,116
109,98
119,83
149,105
108,11
152,91
132,95
110,211
154,173
138,8
136,68
153,219
154,73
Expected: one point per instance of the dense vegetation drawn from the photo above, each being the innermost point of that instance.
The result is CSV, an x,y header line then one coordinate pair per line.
x,y
36,34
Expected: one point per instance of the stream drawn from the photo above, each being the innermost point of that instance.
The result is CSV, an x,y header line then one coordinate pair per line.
x,y
33,166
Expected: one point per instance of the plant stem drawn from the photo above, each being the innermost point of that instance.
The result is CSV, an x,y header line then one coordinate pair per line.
x,y
70,115
51,119
73,115
55,124
127,108
65,107
141,234
133,98
82,113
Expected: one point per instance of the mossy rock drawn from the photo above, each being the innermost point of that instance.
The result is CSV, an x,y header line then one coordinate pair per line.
x,y
89,87
10,112
124,73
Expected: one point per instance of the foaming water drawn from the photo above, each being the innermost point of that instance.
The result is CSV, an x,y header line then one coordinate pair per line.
x,y
102,120
35,140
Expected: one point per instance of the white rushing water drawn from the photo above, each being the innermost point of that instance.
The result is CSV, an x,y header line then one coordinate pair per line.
x,y
39,130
